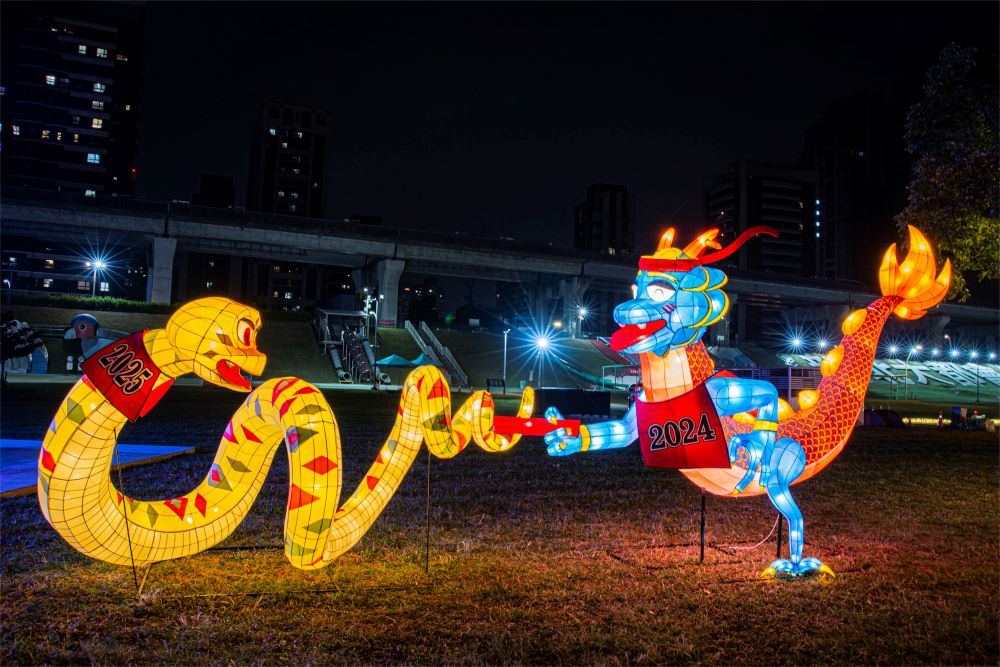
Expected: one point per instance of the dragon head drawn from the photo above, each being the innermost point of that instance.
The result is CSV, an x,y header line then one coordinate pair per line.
x,y
218,338
675,296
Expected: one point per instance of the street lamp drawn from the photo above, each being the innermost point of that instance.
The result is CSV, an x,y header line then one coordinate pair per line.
x,y
581,314
975,356
542,345
914,350
96,264
505,332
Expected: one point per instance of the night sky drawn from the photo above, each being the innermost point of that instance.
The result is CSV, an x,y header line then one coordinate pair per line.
x,y
494,118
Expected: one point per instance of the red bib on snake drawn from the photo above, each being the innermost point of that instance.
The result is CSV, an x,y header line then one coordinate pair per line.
x,y
126,375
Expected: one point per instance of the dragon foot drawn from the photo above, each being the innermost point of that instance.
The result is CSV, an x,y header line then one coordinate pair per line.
x,y
786,569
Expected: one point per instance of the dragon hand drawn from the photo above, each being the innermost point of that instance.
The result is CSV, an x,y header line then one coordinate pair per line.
x,y
558,442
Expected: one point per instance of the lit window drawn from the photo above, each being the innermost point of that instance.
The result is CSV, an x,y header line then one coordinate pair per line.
x,y
15,130
275,295
99,87
45,134
47,282
128,107
93,158
817,234
284,144
211,263
296,171
281,193
90,193
97,105
82,49
288,295
50,79
273,132
209,284
76,120
50,264
58,136
291,208
122,58
96,123
83,284
76,138
298,134
817,223
104,287
295,195
102,53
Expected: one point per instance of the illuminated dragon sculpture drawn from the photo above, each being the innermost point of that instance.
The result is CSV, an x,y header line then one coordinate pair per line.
x,y
733,436
216,339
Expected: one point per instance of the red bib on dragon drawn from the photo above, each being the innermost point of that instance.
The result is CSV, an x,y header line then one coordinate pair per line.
x,y
683,432
125,374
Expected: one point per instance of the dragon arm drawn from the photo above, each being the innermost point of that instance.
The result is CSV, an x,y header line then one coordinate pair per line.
x,y
735,395
612,434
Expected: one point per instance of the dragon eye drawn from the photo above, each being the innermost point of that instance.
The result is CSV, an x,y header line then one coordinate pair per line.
x,y
659,291
244,330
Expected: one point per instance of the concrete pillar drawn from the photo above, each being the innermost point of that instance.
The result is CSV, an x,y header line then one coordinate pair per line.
x,y
384,276
161,270
571,291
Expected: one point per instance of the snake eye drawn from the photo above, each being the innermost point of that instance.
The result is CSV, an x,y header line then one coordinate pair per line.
x,y
659,291
244,331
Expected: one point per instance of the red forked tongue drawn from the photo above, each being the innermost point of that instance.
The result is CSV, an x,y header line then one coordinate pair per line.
x,y
230,372
630,334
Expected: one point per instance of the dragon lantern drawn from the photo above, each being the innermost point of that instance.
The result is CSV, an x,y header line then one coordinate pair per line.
x,y
734,436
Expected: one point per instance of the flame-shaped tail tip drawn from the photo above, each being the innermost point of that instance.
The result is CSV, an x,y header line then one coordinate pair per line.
x,y
914,279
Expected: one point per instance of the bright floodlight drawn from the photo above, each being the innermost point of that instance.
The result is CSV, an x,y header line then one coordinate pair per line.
x,y
893,349
582,312
796,342
973,354
954,353
99,264
993,355
823,344
934,352
542,343
915,349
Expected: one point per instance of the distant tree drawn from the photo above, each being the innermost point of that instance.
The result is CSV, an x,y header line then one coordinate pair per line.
x,y
17,339
952,135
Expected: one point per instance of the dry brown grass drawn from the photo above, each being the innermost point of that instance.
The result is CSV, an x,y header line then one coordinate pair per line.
x,y
533,560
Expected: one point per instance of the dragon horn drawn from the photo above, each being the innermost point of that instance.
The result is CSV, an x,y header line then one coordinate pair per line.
x,y
666,240
706,240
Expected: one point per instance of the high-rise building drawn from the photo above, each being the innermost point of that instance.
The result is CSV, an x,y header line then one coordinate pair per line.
x,y
605,221
858,153
287,161
753,193
72,91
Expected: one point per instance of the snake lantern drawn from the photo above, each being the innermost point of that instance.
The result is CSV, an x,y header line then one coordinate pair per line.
x,y
216,339
734,436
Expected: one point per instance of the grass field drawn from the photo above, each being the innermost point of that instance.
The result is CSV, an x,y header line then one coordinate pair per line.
x,y
585,560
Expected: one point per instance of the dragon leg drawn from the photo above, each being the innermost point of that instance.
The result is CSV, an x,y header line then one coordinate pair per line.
x,y
788,460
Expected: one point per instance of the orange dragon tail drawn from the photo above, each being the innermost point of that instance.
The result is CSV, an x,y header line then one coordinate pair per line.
x,y
827,415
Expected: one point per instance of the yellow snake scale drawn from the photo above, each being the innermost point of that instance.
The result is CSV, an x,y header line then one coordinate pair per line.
x,y
79,500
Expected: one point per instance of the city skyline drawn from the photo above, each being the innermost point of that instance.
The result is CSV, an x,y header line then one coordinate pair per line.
x,y
495,118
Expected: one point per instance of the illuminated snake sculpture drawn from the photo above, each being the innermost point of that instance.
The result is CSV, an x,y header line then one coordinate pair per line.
x,y
684,405
216,338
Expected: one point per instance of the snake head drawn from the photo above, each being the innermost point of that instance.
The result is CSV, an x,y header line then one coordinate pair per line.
x,y
218,337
